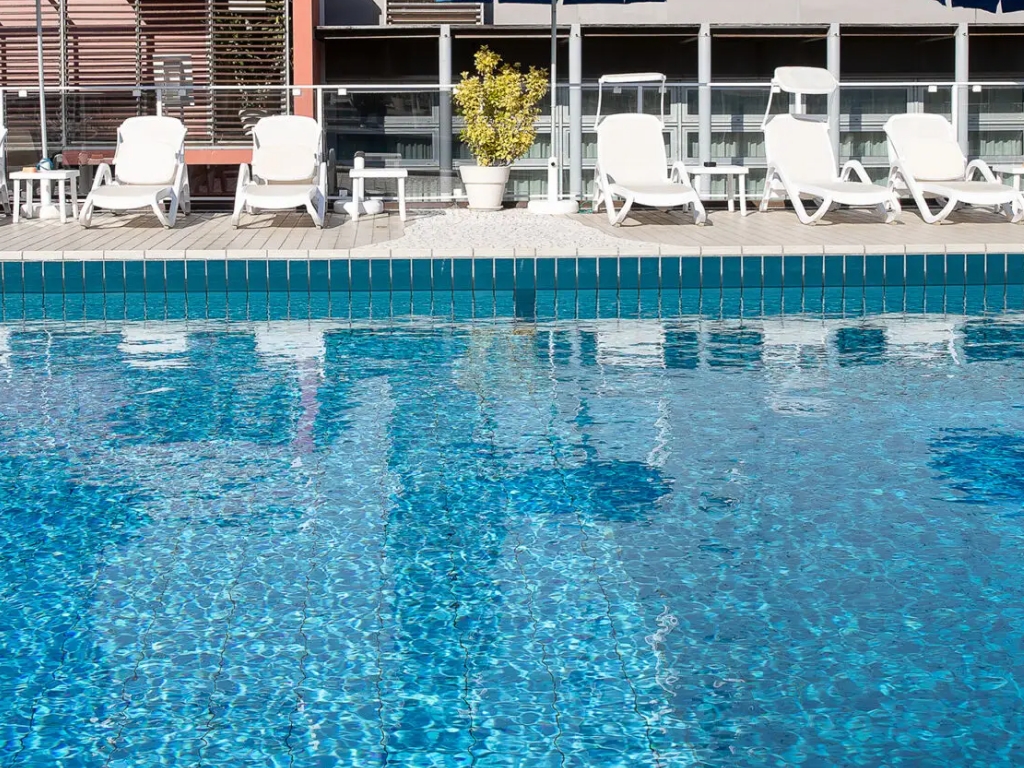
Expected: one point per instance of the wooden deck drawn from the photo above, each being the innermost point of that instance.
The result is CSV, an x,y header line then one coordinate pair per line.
x,y
205,235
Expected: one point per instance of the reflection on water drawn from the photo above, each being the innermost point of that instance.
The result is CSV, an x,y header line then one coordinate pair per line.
x,y
603,542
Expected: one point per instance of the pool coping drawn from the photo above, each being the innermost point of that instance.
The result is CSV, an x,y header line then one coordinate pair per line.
x,y
630,250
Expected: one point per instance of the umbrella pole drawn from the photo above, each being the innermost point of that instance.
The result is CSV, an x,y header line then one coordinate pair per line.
x,y
42,92
552,204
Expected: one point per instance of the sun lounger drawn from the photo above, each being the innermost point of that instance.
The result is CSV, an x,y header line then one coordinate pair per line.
x,y
632,165
926,161
5,196
801,158
149,169
287,171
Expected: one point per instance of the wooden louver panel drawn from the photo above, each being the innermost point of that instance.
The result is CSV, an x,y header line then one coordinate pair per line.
x,y
406,12
119,45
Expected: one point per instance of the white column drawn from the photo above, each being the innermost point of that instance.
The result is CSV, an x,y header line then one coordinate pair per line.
x,y
575,112
704,102
444,139
961,75
832,59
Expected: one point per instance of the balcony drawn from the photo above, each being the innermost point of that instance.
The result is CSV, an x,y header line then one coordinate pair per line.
x,y
429,12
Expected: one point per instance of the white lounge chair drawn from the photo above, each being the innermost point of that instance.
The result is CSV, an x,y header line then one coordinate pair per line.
x,y
801,158
149,169
288,170
926,161
5,196
632,164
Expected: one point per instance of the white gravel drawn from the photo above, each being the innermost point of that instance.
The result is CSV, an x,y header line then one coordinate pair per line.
x,y
511,228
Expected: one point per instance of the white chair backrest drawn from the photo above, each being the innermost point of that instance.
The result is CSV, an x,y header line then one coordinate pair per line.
x,y
631,149
800,148
926,146
286,148
149,150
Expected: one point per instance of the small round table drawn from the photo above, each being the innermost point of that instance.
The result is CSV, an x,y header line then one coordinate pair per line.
x,y
1016,171
62,177
735,181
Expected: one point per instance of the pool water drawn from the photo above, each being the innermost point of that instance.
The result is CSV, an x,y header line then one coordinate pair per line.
x,y
427,542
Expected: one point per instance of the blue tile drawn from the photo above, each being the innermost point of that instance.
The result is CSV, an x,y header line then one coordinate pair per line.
x,y
586,274
1015,268
74,277
13,281
935,269
753,272
319,275
895,267
346,276
914,269
238,279
771,271
526,274
113,276
629,273
874,270
422,275
671,273
995,269
732,276
974,273
545,274
195,276
854,273
380,274
216,276
650,279
834,271
565,274
792,271
442,275
156,277
814,271
33,277
94,277
462,274
256,276
298,275
401,275
53,277
711,272
690,266
954,269
277,276
608,274
483,275
174,272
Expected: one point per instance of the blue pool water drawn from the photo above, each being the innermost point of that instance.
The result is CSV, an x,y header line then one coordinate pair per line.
x,y
433,542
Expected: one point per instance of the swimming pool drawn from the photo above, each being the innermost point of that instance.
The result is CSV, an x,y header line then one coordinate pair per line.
x,y
461,539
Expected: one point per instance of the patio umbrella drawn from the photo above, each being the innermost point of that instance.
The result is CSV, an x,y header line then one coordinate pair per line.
x,y
992,6
553,192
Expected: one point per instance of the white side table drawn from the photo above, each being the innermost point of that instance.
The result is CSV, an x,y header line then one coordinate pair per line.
x,y
735,181
359,176
1016,171
62,178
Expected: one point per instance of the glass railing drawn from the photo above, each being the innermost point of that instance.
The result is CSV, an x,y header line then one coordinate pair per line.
x,y
415,126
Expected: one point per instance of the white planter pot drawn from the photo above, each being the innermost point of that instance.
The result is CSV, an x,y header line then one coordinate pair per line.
x,y
485,185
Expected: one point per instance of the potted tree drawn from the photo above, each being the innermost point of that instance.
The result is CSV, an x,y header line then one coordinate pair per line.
x,y
500,106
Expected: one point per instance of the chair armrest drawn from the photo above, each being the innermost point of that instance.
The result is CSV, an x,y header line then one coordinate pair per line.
x,y
679,175
854,167
103,176
981,167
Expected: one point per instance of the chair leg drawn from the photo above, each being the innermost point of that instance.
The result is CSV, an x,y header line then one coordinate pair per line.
x,y
926,212
167,219
5,199
185,200
700,216
315,207
85,218
627,203
801,211
236,214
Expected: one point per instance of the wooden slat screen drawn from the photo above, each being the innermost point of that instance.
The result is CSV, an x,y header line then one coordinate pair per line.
x,y
131,43
405,12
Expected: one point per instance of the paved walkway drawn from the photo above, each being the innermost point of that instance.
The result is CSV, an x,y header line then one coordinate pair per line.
x,y
209,235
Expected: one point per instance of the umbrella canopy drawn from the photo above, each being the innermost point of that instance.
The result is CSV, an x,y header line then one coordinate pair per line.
x,y
992,6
